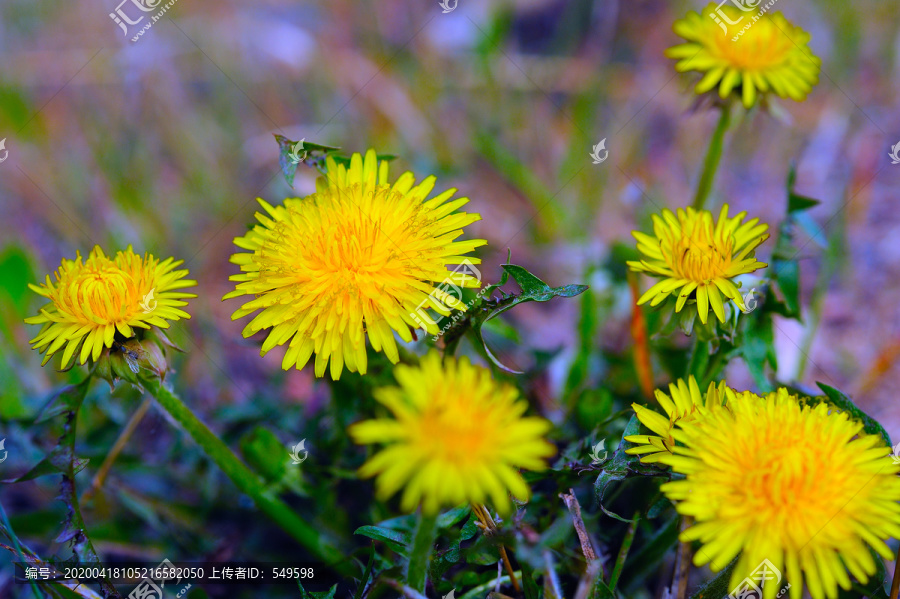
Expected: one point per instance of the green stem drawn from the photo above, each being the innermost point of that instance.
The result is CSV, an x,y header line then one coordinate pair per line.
x,y
699,358
714,371
623,552
713,156
244,478
423,543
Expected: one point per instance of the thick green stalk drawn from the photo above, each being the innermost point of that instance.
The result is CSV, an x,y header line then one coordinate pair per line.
x,y
244,478
423,543
713,156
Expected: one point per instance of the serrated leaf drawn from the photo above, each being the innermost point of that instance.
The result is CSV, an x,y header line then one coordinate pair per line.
x,y
533,290
443,560
844,403
42,468
64,400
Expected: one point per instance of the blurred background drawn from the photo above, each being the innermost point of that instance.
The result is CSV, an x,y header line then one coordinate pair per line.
x,y
165,142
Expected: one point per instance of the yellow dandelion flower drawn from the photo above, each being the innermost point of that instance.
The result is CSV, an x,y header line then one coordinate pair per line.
x,y
698,257
456,436
801,487
772,55
93,300
358,257
684,403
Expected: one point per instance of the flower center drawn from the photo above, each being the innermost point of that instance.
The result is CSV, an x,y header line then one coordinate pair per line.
x,y
348,243
452,438
698,254
101,293
762,46
788,477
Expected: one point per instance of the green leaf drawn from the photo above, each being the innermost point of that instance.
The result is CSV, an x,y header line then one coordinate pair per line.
x,y
874,589
787,275
533,290
397,540
345,160
601,590
845,404
622,466
452,517
797,202
367,573
658,506
757,346
63,459
785,270
286,155
529,584
640,562
444,559
718,586
42,468
15,273
64,400
329,594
